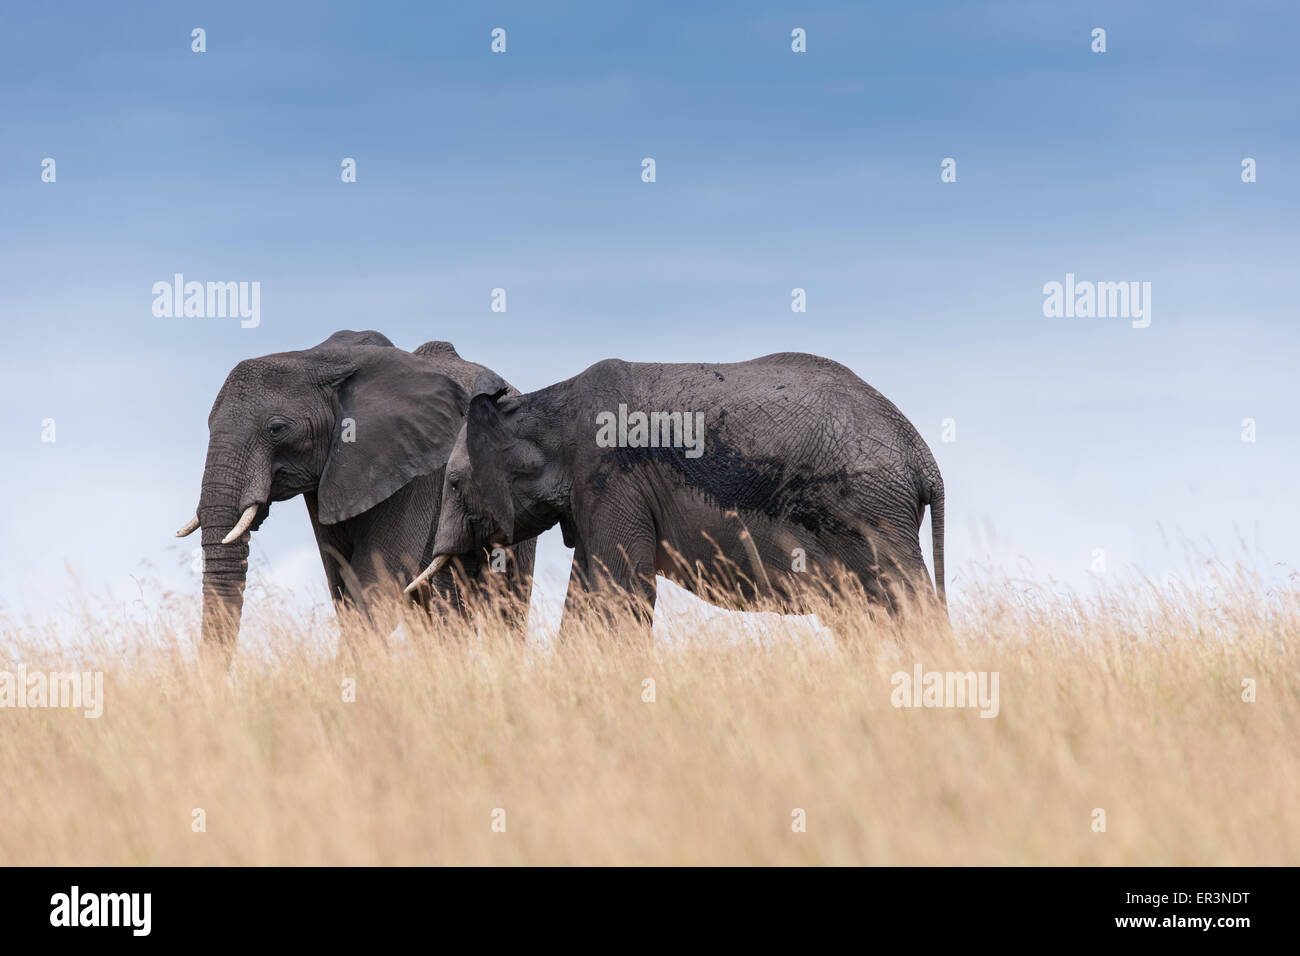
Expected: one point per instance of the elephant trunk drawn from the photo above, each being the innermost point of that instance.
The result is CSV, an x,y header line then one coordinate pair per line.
x,y
225,572
228,492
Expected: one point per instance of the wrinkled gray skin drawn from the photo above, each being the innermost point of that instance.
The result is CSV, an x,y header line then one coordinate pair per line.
x,y
276,431
799,452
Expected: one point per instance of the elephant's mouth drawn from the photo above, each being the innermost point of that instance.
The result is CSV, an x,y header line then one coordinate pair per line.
x,y
478,530
289,484
483,532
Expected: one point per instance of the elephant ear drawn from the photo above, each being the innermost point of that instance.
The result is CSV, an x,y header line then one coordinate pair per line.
x,y
397,419
488,439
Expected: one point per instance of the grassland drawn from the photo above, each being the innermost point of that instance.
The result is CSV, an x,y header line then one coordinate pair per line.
x,y
1128,701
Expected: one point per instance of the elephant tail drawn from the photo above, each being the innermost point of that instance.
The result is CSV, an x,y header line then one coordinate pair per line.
x,y
934,494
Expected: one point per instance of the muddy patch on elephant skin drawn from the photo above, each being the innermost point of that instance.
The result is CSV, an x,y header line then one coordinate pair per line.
x,y
758,485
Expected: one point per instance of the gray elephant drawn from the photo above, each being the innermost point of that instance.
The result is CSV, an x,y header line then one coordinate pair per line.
x,y
362,430
751,478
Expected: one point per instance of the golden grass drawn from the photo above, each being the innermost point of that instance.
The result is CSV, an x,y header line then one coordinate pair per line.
x,y
1129,701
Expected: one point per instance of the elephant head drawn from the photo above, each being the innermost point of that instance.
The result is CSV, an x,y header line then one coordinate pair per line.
x,y
351,420
507,476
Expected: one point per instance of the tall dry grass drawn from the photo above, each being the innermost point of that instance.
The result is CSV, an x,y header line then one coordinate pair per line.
x,y
1130,700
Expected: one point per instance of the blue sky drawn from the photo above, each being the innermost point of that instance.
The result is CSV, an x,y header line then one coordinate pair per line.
x,y
775,170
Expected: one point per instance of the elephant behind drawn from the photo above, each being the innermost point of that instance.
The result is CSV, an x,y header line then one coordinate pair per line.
x,y
362,430
751,479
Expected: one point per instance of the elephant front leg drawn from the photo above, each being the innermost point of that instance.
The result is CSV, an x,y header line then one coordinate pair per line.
x,y
577,599
612,586
519,586
345,588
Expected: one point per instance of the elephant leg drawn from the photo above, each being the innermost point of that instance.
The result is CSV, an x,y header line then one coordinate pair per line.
x,y
344,589
908,579
349,600
611,588
335,552
622,563
891,571
519,584
366,617
392,544
577,597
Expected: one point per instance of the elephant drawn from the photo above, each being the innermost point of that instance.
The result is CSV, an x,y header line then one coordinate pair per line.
x,y
802,472
362,430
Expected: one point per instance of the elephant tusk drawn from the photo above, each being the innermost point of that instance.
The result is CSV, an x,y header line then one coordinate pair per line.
x,y
190,527
439,562
244,521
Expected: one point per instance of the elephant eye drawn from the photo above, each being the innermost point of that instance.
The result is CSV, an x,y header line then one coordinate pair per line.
x,y
276,429
455,482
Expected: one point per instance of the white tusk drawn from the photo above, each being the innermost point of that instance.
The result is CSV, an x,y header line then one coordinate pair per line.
x,y
244,521
439,562
190,527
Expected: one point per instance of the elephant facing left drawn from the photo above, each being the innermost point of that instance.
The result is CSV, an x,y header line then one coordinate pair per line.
x,y
362,430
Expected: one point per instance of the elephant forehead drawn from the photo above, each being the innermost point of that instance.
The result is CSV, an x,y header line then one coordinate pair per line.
x,y
271,374
258,382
